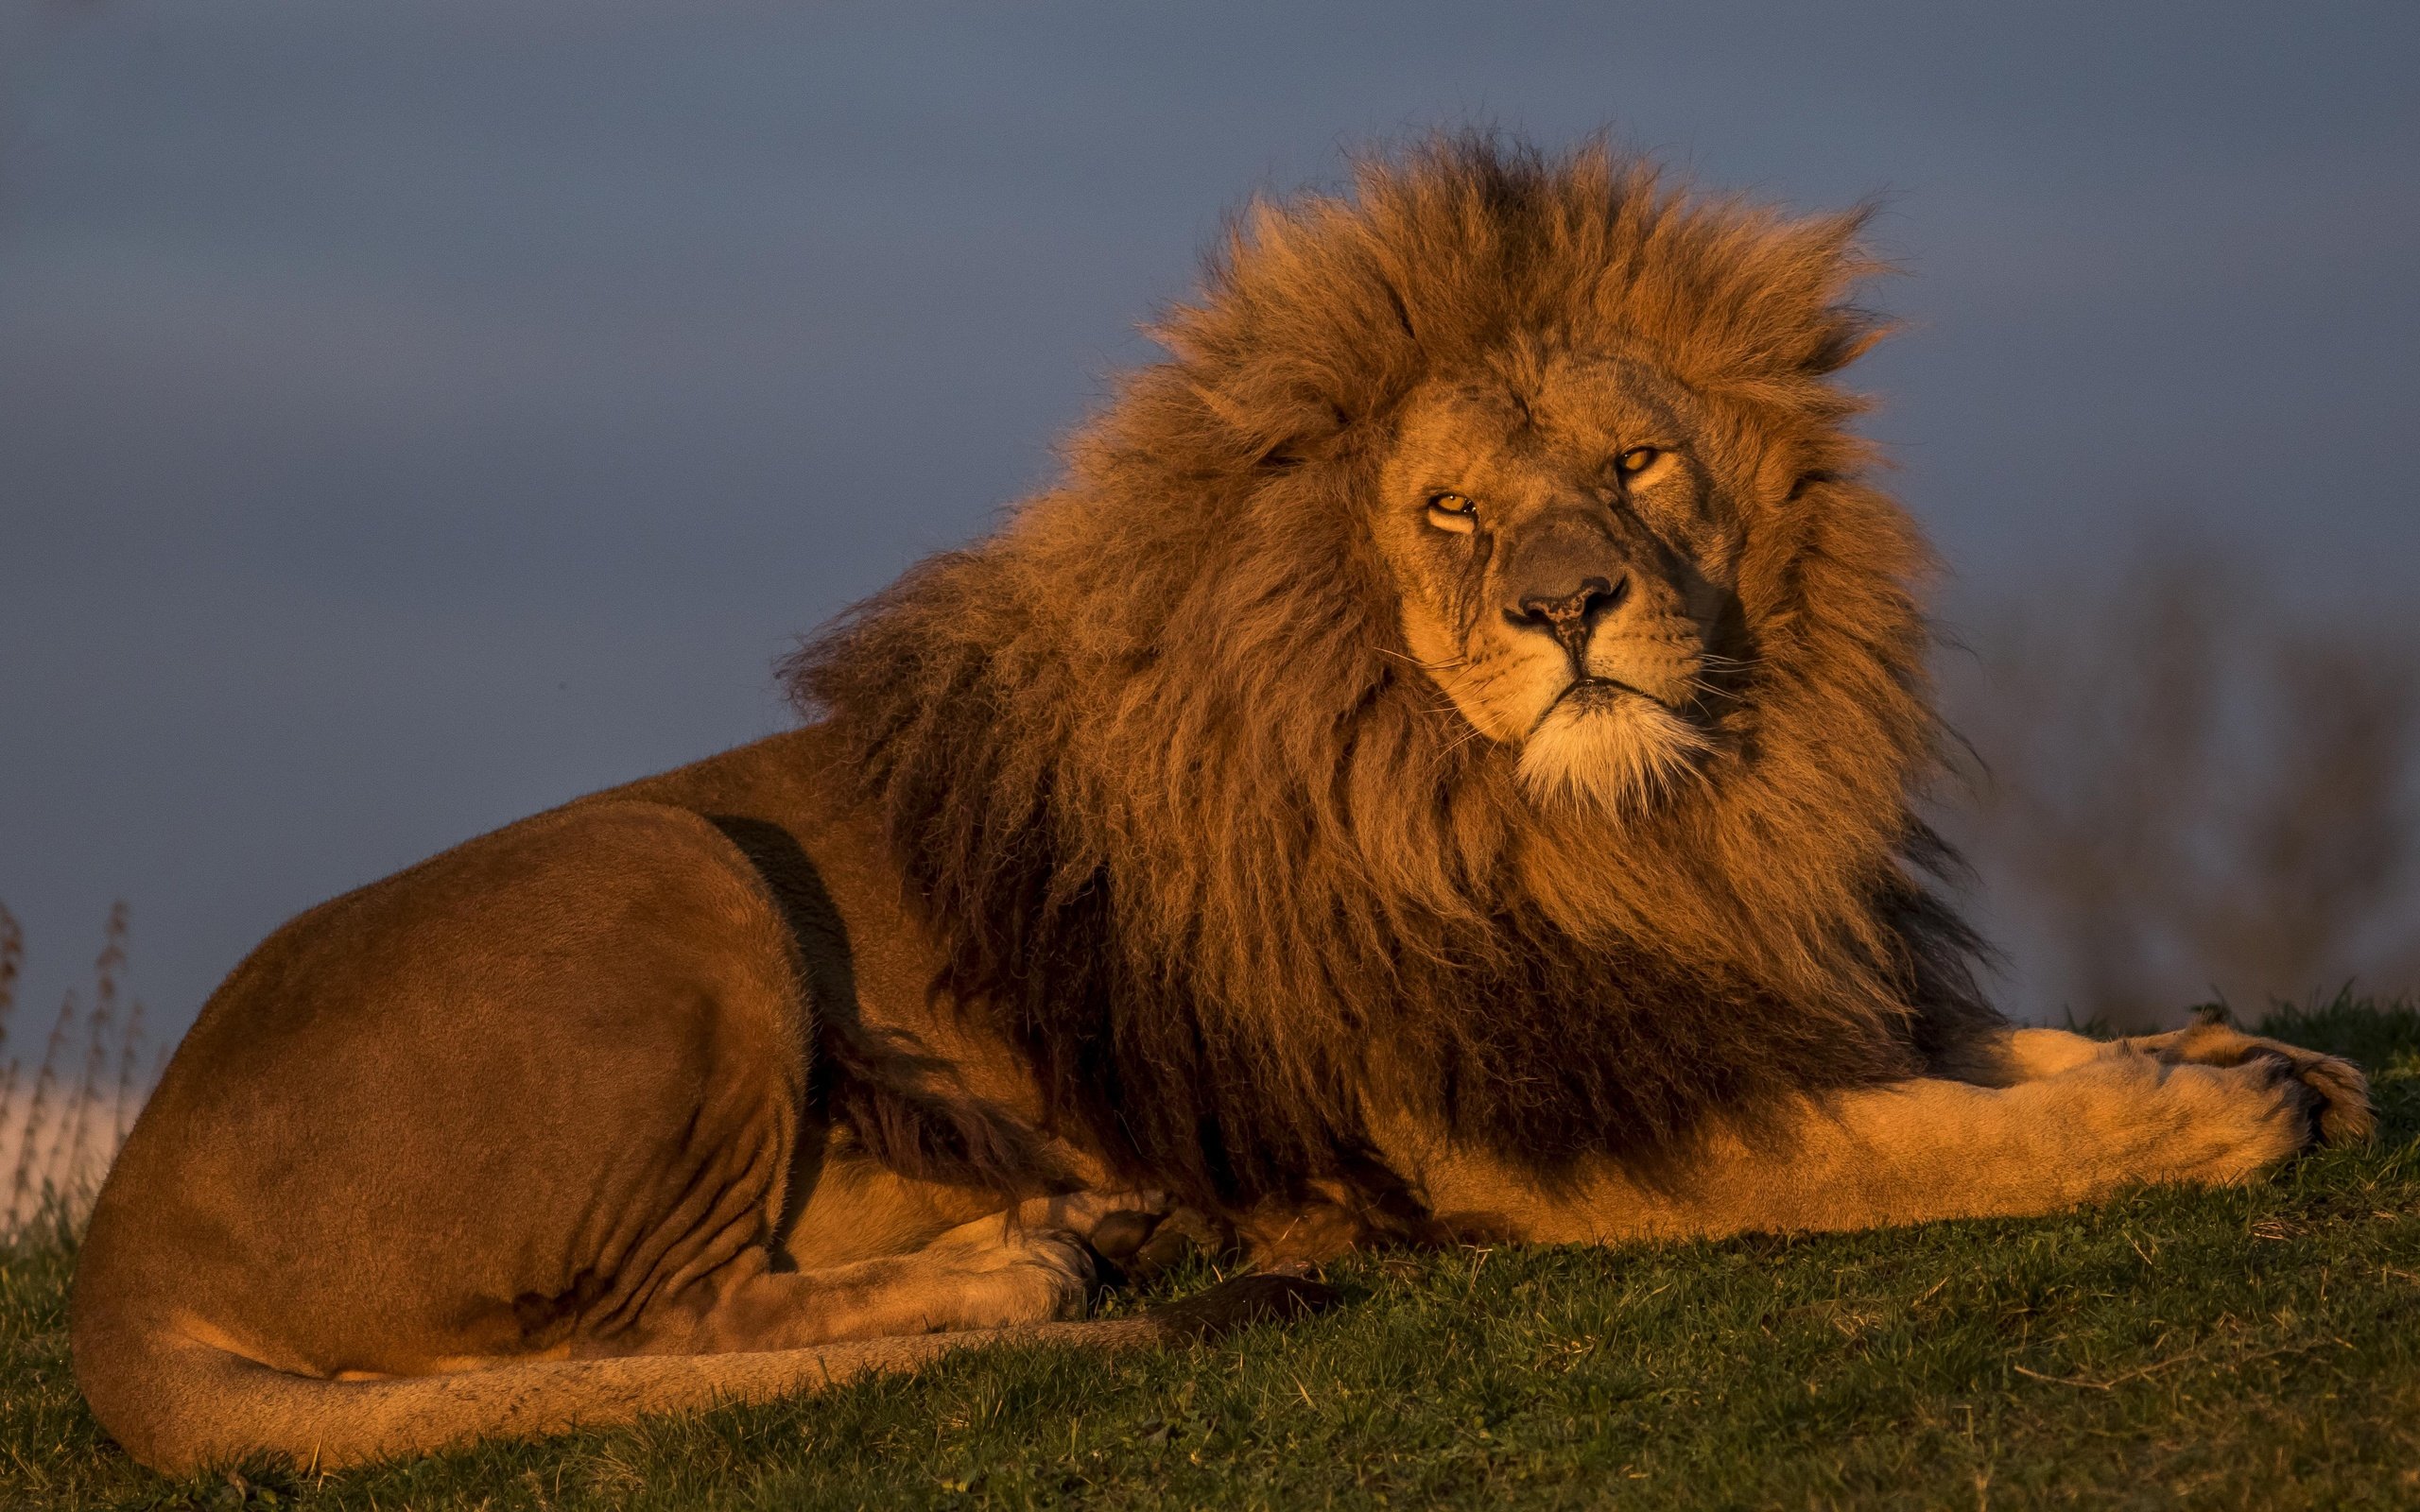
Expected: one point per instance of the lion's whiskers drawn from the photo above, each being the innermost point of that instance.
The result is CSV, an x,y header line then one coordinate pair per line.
x,y
1463,739
1426,667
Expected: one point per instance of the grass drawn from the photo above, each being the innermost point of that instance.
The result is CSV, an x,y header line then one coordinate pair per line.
x,y
2252,1349
59,1128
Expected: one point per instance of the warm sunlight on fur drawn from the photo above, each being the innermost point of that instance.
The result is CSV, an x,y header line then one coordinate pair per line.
x,y
1442,762
1609,749
1569,561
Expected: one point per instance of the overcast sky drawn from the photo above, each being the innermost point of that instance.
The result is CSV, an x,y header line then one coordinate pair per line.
x,y
414,415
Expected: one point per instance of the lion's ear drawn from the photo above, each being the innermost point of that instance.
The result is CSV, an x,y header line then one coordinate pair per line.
x,y
1314,443
1277,430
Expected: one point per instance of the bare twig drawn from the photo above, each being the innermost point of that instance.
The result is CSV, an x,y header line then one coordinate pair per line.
x,y
2189,787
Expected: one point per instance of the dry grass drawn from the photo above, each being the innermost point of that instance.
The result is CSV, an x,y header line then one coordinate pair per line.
x,y
63,1117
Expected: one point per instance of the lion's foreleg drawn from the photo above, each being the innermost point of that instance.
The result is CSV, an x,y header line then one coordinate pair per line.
x,y
1925,1149
2023,1054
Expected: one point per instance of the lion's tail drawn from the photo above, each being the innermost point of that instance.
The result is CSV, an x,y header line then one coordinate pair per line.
x,y
179,1404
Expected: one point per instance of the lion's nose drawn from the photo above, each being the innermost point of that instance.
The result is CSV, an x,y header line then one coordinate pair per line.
x,y
1569,616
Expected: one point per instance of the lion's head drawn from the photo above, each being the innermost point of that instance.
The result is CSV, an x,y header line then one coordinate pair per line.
x,y
1566,564
1471,674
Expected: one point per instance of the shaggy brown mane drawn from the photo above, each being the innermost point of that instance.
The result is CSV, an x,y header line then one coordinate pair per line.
x,y
1225,866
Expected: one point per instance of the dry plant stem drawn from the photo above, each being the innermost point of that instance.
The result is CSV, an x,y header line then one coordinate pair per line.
x,y
27,1189
58,1139
69,1144
12,959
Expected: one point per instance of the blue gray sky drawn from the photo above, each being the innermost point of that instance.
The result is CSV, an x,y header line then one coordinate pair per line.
x,y
412,416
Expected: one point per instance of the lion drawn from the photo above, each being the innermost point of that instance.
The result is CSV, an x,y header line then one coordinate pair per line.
x,y
1442,762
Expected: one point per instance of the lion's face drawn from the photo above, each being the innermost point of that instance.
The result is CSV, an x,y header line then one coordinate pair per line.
x,y
1566,566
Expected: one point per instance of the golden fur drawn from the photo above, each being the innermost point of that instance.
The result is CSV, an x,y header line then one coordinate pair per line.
x,y
1195,826
1440,764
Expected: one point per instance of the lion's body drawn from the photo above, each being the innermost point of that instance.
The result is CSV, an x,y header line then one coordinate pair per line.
x,y
619,1081
1442,764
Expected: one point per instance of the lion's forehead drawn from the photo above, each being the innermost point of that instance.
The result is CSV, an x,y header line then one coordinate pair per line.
x,y
1574,410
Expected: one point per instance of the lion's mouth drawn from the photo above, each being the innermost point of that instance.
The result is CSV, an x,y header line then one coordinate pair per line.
x,y
1593,692
1669,685
1594,686
1589,696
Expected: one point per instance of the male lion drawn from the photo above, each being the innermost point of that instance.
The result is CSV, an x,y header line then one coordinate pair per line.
x,y
1440,763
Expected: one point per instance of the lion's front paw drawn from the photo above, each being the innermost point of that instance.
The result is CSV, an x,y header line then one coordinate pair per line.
x,y
1135,1235
2223,1124
1142,1250
2341,1112
1006,1277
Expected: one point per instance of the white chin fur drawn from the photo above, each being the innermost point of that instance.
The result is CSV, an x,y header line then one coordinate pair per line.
x,y
1614,752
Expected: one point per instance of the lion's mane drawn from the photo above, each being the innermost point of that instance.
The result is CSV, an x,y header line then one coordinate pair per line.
x,y
1201,842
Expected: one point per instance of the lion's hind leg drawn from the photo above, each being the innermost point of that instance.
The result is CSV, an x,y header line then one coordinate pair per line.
x,y
988,1274
227,1406
766,1335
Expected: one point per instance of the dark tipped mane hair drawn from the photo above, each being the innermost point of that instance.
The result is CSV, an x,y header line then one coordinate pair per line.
x,y
1206,846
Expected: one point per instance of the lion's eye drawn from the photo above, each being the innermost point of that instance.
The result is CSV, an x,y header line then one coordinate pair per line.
x,y
1453,512
1637,459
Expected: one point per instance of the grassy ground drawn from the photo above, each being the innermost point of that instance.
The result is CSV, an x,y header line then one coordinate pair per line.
x,y
2254,1349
